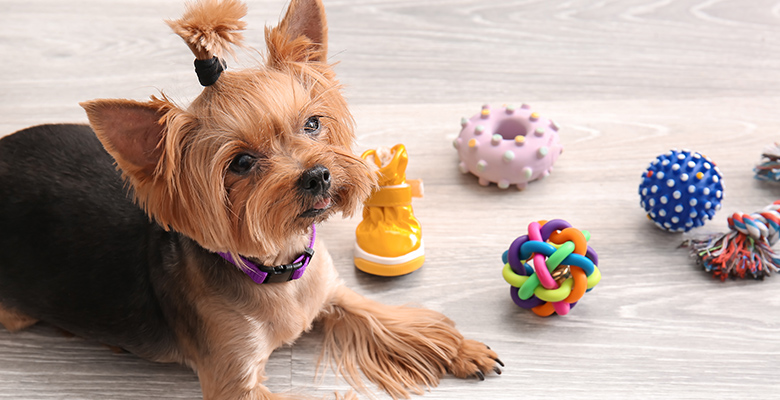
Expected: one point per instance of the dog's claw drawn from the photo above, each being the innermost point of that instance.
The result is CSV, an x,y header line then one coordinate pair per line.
x,y
475,360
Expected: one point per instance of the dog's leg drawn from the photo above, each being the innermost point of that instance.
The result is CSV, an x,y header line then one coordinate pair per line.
x,y
223,380
14,320
225,385
234,369
398,348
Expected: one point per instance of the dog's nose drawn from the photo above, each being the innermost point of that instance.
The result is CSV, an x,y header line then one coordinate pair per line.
x,y
315,181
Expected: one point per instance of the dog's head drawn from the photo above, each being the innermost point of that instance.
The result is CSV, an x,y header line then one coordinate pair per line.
x,y
260,155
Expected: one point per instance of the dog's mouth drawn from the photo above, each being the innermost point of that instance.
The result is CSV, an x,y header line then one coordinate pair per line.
x,y
318,208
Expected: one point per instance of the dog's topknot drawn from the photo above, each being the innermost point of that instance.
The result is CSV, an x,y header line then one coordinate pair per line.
x,y
211,27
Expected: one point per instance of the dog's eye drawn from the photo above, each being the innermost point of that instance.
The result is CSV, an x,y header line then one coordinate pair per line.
x,y
312,125
242,163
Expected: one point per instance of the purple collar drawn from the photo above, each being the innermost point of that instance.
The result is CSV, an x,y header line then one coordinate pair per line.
x,y
279,273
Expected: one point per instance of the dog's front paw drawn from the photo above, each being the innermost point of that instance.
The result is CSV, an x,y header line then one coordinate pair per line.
x,y
475,359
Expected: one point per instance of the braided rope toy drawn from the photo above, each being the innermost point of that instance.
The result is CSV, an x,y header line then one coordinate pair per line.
x,y
746,248
564,267
769,169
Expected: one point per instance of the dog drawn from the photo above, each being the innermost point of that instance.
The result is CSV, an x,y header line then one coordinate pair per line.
x,y
188,235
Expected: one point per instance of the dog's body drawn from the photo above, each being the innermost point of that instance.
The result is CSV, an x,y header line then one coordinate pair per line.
x,y
76,241
94,264
247,169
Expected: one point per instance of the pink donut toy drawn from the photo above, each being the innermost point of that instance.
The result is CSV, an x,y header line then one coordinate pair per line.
x,y
508,146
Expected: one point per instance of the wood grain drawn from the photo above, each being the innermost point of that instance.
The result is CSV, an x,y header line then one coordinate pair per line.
x,y
626,80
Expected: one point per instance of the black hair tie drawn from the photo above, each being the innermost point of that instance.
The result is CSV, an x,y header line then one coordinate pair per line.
x,y
209,70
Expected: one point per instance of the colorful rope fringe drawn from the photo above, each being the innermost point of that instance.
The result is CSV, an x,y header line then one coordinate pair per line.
x,y
747,248
769,169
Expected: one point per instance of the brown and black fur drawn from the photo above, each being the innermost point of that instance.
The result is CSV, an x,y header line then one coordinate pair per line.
x,y
127,256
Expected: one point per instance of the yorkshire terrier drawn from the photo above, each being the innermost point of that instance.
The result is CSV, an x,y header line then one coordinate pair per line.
x,y
188,234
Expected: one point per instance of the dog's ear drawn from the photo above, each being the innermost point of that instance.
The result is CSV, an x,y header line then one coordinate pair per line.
x,y
301,36
130,131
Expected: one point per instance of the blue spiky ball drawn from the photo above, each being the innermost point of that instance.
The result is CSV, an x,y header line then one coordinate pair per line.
x,y
680,190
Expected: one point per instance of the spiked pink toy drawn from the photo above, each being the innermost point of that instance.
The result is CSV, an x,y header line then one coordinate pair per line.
x,y
508,146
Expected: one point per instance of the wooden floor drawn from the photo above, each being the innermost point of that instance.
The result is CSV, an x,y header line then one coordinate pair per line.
x,y
625,79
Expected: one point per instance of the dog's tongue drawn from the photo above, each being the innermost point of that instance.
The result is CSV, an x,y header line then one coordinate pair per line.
x,y
322,204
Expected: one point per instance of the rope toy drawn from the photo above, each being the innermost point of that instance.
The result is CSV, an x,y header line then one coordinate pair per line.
x,y
564,267
746,248
769,169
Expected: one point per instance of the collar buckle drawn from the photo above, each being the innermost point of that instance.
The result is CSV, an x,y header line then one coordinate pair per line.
x,y
287,272
280,273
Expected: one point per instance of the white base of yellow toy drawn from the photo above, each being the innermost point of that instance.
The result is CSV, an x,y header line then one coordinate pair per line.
x,y
389,266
